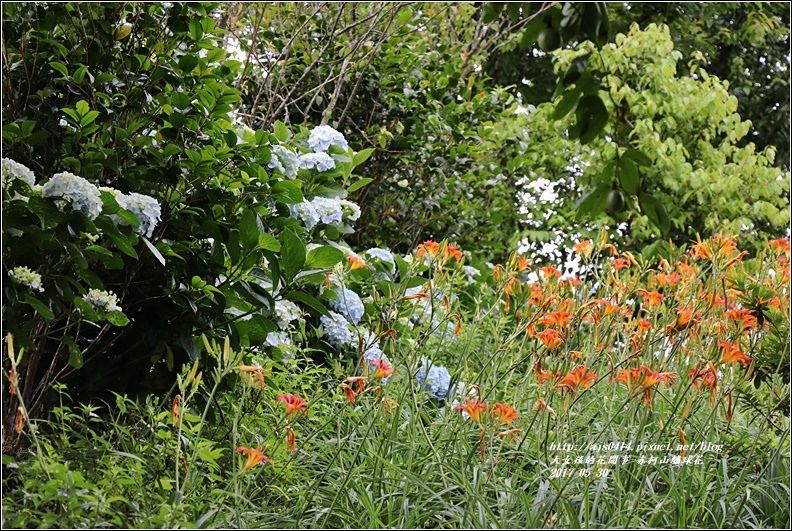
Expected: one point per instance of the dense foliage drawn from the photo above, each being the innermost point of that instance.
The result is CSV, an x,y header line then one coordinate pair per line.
x,y
215,212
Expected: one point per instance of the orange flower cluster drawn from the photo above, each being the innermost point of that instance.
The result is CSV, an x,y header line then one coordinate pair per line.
x,y
644,379
254,457
294,404
576,379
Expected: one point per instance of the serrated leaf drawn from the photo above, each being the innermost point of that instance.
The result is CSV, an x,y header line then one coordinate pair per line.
x,y
117,318
281,131
323,257
359,184
628,176
267,241
308,300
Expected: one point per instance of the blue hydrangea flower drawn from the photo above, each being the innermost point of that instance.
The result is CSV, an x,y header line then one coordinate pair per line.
x,y
436,380
337,329
79,193
320,161
348,304
324,136
382,255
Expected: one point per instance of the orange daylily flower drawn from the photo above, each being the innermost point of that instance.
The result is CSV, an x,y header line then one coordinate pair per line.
x,y
727,245
781,245
428,247
549,272
19,425
550,338
473,408
505,413
732,353
291,438
611,249
559,318
620,263
390,404
708,377
452,252
684,320
419,295
12,377
349,392
651,298
684,443
644,379
584,248
520,263
536,294
294,404
388,333
667,279
358,381
511,434
355,262
458,327
257,371
541,405
700,250
576,379
176,409
745,317
254,457
382,369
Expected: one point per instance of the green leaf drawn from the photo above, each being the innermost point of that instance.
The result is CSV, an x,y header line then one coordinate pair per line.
x,y
655,211
308,300
180,100
82,108
359,184
593,203
60,67
288,192
267,241
117,318
281,131
567,103
128,217
258,328
109,203
362,156
490,11
323,257
292,253
75,354
591,118
39,306
628,176
87,311
123,244
248,230
637,157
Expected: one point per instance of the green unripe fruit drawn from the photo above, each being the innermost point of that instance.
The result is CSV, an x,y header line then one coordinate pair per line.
x,y
614,203
549,40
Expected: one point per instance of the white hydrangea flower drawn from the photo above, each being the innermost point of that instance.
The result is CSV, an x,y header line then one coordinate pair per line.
x,y
337,329
11,169
82,195
102,301
348,304
383,255
327,210
287,312
278,340
321,161
324,136
284,160
146,209
350,210
26,277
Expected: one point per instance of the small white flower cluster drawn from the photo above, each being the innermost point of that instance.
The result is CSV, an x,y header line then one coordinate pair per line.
x,y
325,210
337,329
320,161
284,160
348,304
102,301
11,169
324,136
471,272
82,195
382,255
26,277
